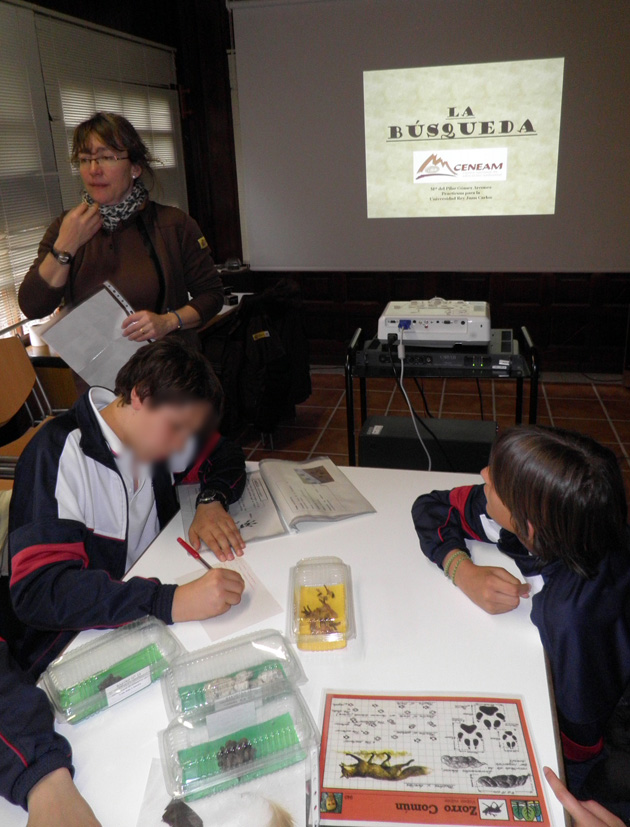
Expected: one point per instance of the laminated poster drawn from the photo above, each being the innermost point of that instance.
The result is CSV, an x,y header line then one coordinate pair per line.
x,y
391,759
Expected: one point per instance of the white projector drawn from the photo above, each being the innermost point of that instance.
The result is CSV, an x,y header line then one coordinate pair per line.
x,y
437,322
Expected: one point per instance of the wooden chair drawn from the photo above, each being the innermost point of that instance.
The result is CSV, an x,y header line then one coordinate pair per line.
x,y
5,501
21,389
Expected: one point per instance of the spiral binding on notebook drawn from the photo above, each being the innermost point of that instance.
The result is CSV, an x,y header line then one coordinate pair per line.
x,y
119,297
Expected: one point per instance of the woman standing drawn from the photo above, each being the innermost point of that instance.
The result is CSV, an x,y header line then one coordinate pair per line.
x,y
155,255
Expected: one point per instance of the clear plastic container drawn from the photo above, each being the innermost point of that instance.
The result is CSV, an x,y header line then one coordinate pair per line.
x,y
322,610
107,670
230,673
203,754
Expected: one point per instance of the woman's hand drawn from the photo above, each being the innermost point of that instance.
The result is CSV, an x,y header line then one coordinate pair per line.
x,y
55,802
492,588
584,813
209,596
78,227
145,325
217,529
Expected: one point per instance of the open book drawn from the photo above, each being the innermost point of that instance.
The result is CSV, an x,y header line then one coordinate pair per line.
x,y
281,494
89,336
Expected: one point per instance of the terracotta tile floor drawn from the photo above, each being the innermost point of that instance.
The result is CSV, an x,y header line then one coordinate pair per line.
x,y
601,410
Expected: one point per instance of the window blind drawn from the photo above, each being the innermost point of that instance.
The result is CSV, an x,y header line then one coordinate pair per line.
x,y
30,196
85,71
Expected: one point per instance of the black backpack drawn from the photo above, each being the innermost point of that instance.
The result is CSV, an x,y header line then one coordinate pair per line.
x,y
261,356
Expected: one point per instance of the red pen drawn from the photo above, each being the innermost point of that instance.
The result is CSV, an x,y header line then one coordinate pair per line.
x,y
193,553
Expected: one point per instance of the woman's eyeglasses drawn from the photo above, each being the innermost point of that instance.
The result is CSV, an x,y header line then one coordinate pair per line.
x,y
101,160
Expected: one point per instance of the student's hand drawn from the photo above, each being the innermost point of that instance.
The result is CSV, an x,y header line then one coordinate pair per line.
x,y
209,596
583,813
217,529
492,588
145,325
55,802
78,227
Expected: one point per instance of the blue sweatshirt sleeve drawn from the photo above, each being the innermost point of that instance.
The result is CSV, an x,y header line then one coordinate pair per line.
x,y
224,470
219,466
29,746
54,583
444,520
53,588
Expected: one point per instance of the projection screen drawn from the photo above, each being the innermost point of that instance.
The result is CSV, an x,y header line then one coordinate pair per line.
x,y
433,135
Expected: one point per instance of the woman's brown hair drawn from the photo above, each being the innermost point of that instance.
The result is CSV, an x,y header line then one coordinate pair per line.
x,y
116,132
568,487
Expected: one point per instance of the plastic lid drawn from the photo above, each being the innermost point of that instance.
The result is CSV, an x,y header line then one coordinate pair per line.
x,y
109,669
322,610
203,754
230,673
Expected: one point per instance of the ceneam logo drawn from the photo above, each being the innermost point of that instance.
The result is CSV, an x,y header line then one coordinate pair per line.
x,y
434,165
460,165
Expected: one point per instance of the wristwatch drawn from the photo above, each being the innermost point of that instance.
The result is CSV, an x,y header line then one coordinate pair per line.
x,y
210,496
62,256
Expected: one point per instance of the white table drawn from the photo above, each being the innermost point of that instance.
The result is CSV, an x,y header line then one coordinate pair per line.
x,y
416,633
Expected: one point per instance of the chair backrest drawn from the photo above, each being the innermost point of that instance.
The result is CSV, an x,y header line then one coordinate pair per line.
x,y
17,377
5,501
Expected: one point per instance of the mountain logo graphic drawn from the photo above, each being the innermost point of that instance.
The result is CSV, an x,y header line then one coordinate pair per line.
x,y
434,166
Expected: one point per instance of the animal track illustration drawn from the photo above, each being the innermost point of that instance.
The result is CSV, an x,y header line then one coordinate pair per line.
x,y
509,740
470,738
490,717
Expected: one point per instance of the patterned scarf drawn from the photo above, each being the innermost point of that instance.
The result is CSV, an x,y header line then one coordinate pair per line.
x,y
113,214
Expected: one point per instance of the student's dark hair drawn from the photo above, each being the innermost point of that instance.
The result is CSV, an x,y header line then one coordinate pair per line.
x,y
116,132
170,372
568,487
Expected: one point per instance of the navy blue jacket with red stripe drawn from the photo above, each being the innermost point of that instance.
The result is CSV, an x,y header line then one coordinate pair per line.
x,y
584,624
29,746
68,533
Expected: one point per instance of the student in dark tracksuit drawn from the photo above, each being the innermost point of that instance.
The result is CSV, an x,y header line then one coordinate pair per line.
x,y
94,488
554,502
35,762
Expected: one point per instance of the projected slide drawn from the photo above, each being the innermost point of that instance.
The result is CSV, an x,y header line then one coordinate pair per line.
x,y
479,139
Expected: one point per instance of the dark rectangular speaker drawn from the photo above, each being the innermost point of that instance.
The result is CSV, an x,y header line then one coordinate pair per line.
x,y
460,444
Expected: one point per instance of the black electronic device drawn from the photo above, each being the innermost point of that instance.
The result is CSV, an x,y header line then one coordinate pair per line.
x,y
495,359
392,442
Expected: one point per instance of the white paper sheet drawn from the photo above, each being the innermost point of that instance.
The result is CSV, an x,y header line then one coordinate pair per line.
x,y
243,806
89,338
255,514
257,603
